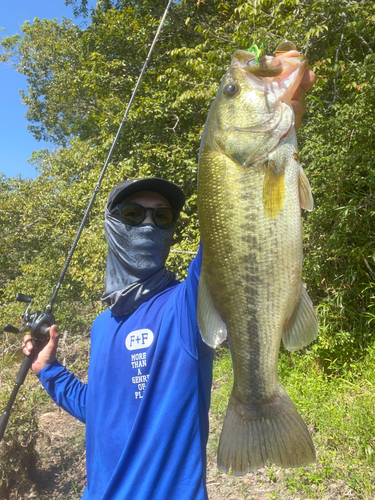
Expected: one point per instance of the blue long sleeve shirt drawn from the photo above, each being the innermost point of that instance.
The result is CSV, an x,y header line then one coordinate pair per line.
x,y
146,401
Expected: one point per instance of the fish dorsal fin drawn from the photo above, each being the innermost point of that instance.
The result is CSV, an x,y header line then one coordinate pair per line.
x,y
305,194
302,328
212,327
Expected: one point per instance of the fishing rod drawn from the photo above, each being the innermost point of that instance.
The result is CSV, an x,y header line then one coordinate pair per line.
x,y
38,323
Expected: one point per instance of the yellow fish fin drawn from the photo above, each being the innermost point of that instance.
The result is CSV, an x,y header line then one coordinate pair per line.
x,y
302,327
212,327
305,194
273,192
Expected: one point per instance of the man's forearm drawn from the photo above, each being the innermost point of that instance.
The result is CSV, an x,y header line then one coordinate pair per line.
x,y
65,389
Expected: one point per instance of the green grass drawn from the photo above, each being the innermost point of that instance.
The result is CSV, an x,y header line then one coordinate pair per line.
x,y
339,410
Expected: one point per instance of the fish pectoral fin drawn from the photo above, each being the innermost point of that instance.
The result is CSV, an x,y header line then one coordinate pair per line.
x,y
305,194
211,326
273,191
302,328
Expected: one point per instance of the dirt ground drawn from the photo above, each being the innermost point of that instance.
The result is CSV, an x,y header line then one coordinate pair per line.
x,y
60,473
61,470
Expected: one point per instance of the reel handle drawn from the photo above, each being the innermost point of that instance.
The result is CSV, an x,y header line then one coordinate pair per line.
x,y
21,297
11,329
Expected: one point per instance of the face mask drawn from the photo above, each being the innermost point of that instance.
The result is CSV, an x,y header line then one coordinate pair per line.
x,y
135,263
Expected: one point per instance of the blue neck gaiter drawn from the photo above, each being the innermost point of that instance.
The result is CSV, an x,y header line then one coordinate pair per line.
x,y
135,263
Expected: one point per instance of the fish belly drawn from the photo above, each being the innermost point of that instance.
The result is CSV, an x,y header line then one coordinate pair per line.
x,y
252,264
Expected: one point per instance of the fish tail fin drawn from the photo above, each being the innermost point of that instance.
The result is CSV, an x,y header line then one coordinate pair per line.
x,y
273,431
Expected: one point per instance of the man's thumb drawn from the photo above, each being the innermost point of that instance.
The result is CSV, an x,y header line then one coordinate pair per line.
x,y
54,335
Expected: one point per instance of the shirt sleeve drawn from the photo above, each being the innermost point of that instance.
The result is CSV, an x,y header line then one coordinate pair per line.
x,y
65,389
192,282
191,337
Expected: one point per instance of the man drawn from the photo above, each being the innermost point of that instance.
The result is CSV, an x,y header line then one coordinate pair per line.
x,y
146,402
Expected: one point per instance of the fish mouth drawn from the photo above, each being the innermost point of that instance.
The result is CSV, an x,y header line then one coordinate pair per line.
x,y
277,68
265,67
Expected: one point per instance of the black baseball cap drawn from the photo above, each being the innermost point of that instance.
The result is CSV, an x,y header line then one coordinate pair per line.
x,y
168,189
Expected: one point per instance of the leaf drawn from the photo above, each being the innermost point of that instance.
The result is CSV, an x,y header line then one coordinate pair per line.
x,y
316,99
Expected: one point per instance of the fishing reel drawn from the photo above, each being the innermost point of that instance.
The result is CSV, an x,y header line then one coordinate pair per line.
x,y
38,323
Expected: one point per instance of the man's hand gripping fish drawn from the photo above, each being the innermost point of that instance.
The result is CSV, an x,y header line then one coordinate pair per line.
x,y
251,188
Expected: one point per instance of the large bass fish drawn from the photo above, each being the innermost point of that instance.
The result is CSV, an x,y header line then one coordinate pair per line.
x,y
251,188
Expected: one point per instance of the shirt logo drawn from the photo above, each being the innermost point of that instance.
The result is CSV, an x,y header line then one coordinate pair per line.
x,y
139,339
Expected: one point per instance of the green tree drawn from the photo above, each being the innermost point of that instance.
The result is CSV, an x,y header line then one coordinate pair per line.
x,y
79,81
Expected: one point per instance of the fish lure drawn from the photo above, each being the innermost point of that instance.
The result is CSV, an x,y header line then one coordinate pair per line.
x,y
257,50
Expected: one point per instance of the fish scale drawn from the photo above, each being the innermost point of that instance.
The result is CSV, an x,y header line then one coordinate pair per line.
x,y
250,192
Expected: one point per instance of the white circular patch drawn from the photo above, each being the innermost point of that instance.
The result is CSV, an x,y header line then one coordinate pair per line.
x,y
139,339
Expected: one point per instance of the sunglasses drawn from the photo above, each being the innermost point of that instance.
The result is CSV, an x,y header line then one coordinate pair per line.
x,y
133,215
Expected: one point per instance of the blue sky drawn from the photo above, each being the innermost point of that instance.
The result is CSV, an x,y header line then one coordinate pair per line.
x,y
16,143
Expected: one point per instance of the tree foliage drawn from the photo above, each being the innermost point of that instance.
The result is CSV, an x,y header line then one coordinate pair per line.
x,y
79,82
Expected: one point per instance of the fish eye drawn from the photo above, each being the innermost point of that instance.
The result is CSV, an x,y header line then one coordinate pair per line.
x,y
231,89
